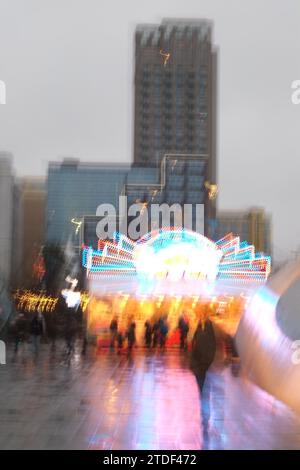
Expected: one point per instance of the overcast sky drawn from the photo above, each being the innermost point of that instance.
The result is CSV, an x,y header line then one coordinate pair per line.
x,y
68,69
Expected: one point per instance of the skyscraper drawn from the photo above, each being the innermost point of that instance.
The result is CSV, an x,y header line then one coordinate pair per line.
x,y
175,92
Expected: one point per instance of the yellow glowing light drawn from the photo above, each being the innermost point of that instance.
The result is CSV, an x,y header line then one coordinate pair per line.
x,y
84,300
166,56
212,190
29,301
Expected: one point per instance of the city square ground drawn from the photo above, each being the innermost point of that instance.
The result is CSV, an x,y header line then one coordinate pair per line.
x,y
149,400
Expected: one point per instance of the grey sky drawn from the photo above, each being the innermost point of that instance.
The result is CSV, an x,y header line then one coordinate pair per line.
x,y
68,68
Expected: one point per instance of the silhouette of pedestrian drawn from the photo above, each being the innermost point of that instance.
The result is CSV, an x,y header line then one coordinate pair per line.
x,y
155,334
20,331
37,329
202,356
120,340
163,331
131,336
113,331
203,350
148,334
183,327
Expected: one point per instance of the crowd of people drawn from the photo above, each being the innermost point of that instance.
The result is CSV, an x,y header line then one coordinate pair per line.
x,y
37,326
33,328
204,343
155,333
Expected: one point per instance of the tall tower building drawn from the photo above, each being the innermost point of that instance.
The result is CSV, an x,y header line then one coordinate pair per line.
x,y
175,92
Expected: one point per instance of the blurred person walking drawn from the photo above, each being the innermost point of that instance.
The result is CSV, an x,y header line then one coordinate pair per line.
x,y
148,334
37,329
203,349
20,329
113,331
183,327
131,336
203,352
120,341
155,333
163,331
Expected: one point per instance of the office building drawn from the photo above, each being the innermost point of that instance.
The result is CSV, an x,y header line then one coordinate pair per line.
x,y
76,189
175,92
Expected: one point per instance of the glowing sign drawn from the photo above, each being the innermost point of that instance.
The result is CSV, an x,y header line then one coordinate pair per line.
x,y
30,301
176,254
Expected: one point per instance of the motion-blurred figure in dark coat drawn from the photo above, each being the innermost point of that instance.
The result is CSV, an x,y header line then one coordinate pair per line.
x,y
183,327
203,353
20,330
148,334
203,350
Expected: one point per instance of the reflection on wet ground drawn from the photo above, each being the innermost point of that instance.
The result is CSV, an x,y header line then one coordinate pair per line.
x,y
148,401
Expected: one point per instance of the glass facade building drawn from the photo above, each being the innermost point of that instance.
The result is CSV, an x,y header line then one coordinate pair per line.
x,y
181,182
75,190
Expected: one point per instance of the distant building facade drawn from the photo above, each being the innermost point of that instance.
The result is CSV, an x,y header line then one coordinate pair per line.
x,y
6,216
29,228
75,190
253,225
180,182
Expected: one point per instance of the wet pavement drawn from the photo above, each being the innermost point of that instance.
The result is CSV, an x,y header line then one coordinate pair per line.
x,y
148,401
